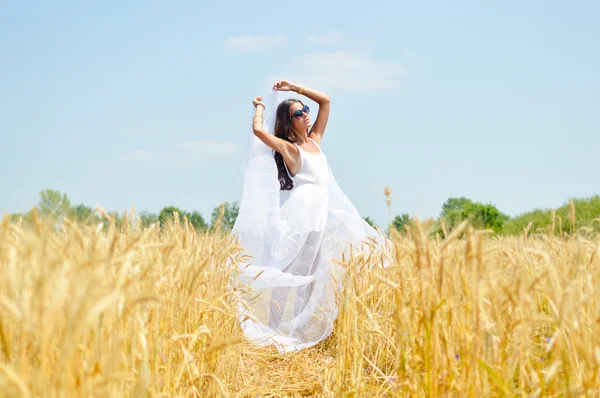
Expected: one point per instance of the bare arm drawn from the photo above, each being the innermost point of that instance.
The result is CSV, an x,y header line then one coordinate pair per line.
x,y
318,128
286,149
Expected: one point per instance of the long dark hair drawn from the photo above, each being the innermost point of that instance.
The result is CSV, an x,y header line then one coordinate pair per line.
x,y
284,130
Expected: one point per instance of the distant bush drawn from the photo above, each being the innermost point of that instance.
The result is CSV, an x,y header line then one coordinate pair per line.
x,y
585,214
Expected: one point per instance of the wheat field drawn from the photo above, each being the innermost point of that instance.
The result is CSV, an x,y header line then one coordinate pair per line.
x,y
89,311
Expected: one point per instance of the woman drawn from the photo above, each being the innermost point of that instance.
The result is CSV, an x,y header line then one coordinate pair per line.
x,y
294,222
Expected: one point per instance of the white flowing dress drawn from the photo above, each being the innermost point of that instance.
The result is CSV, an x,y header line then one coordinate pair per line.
x,y
293,239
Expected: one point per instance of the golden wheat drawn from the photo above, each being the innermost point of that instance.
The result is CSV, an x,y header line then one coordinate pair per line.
x,y
91,312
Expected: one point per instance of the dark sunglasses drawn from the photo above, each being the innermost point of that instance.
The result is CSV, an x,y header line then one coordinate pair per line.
x,y
298,113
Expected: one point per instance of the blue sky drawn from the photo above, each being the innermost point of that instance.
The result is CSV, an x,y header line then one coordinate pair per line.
x,y
149,103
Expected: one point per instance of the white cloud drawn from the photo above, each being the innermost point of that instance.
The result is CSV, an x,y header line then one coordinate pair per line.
x,y
257,43
347,70
206,148
329,38
138,155
196,150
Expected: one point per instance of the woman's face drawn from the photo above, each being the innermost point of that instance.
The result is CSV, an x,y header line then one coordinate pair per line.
x,y
299,116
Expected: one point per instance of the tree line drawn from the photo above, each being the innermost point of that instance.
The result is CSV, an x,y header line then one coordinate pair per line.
x,y
575,214
54,206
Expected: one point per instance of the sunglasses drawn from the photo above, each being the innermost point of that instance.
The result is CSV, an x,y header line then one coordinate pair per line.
x,y
298,113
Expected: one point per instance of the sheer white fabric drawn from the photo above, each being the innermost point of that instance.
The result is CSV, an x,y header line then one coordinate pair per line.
x,y
293,238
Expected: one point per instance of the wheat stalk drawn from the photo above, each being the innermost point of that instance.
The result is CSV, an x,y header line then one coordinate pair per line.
x,y
153,312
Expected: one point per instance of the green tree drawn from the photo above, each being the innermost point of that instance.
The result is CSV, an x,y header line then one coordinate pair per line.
x,y
196,219
83,214
487,216
24,217
230,214
455,204
369,221
167,213
456,210
147,218
400,221
118,218
53,204
587,215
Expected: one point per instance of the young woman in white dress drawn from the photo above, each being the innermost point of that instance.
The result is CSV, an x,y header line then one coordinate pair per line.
x,y
294,222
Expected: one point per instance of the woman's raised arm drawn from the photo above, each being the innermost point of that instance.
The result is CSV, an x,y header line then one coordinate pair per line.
x,y
318,128
275,143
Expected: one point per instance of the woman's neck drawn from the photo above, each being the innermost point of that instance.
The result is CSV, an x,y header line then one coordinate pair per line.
x,y
301,138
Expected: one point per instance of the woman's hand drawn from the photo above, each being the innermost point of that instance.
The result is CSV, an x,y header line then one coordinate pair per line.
x,y
258,101
283,85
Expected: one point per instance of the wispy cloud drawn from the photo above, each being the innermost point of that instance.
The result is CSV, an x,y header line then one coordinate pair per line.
x,y
328,38
347,70
206,148
138,155
197,150
257,43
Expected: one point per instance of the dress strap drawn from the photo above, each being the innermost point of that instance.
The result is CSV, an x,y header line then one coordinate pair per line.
x,y
314,142
299,149
318,147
